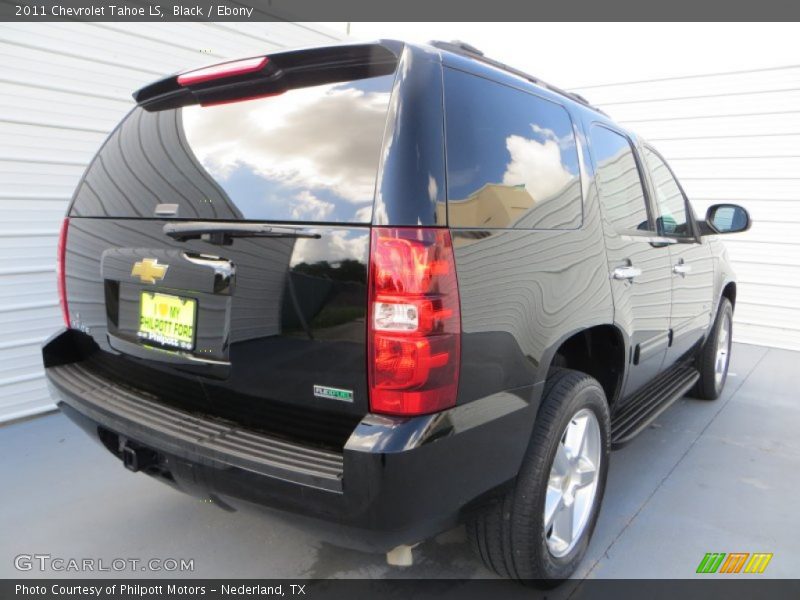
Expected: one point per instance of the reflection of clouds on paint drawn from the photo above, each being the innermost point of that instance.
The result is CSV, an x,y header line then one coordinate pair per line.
x,y
334,245
318,146
363,214
433,189
537,165
307,207
463,178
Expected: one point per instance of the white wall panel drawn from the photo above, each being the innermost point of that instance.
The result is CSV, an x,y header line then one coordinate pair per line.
x,y
735,146
731,83
733,137
660,127
63,87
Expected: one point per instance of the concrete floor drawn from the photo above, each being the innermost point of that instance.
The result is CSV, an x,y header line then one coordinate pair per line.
x,y
719,476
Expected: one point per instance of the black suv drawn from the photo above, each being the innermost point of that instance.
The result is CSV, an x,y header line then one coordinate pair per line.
x,y
389,288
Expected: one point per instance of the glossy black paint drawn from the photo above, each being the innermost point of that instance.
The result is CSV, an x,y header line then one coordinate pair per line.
x,y
524,291
660,316
267,309
278,316
404,479
411,176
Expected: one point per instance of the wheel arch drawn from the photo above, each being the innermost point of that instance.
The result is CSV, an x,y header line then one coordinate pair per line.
x,y
729,292
598,350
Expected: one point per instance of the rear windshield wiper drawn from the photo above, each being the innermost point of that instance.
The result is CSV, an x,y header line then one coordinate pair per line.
x,y
223,234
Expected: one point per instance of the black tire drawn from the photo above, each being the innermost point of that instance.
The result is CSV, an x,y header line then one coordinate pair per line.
x,y
509,535
708,387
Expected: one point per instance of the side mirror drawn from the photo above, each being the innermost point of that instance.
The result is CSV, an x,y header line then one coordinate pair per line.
x,y
726,218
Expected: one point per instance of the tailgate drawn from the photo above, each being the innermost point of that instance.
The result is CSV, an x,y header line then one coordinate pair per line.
x,y
275,339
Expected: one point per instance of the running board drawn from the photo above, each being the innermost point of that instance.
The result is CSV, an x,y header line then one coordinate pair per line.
x,y
647,404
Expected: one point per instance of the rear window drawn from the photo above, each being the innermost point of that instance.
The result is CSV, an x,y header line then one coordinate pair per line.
x,y
512,159
309,154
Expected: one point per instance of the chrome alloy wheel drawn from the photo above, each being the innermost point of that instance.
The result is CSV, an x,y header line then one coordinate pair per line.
x,y
572,486
723,350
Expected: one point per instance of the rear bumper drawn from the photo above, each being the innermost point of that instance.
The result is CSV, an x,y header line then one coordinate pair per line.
x,y
395,481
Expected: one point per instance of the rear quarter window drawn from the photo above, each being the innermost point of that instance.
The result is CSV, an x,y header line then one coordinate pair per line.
x,y
512,158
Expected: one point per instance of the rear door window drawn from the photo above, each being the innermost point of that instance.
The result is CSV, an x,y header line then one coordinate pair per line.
x,y
512,159
672,217
622,194
309,154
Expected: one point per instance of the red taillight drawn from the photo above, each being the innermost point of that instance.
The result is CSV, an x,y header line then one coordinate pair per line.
x,y
414,321
61,265
223,71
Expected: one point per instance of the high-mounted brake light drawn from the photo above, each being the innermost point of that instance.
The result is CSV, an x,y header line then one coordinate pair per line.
x,y
223,71
61,275
414,321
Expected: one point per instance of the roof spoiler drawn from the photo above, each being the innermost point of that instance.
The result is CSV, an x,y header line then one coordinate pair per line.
x,y
270,74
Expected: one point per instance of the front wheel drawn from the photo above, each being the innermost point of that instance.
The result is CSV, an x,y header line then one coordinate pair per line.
x,y
714,357
539,530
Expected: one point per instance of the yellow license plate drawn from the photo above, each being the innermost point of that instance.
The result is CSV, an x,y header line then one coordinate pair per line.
x,y
167,320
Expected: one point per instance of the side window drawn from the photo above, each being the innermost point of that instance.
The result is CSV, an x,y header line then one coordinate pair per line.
x,y
671,204
512,158
620,183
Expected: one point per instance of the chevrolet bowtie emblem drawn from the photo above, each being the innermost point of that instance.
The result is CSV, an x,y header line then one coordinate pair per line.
x,y
148,270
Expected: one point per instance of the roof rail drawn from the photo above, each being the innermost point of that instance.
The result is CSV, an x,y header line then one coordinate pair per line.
x,y
457,46
468,50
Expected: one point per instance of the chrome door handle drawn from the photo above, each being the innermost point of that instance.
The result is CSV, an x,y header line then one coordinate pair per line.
x,y
682,269
626,273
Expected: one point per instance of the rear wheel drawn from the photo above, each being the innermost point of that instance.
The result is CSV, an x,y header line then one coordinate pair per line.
x,y
714,357
539,530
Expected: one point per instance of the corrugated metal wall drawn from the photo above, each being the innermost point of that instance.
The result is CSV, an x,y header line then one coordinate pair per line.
x,y
733,137
63,87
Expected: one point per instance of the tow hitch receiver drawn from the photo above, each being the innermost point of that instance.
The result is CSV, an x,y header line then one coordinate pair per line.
x,y
135,457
